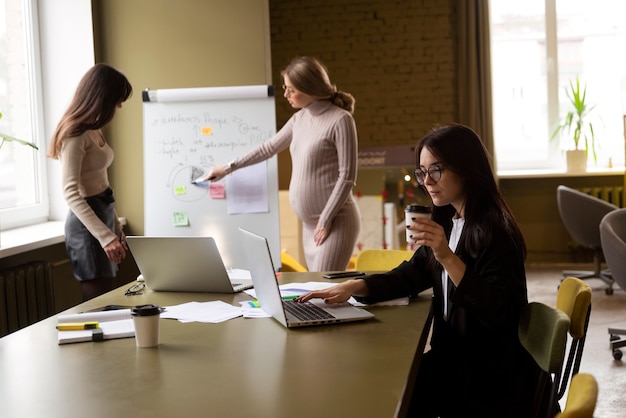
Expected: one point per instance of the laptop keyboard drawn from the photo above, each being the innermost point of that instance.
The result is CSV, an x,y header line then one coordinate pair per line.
x,y
306,310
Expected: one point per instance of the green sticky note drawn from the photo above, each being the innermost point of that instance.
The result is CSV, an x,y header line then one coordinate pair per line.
x,y
180,219
180,190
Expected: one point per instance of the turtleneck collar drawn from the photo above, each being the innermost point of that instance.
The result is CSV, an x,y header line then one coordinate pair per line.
x,y
318,107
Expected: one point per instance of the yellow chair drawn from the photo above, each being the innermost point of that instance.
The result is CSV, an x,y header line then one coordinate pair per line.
x,y
574,299
290,264
380,260
581,398
543,333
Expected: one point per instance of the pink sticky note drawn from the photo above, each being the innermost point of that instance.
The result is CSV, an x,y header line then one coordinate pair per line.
x,y
216,191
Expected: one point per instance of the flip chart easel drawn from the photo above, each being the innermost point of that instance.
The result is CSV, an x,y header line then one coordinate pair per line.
x,y
186,132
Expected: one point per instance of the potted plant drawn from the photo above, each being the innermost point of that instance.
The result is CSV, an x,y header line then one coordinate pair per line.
x,y
577,124
8,138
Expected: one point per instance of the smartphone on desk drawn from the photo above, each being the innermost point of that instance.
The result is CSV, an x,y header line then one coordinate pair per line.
x,y
343,274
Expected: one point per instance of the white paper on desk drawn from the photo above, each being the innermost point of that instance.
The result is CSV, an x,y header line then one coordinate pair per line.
x,y
295,289
212,312
103,316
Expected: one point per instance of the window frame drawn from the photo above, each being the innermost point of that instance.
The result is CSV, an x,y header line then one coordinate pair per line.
x,y
552,158
64,53
39,211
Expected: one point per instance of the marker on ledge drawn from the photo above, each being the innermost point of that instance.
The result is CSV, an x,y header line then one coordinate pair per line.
x,y
72,326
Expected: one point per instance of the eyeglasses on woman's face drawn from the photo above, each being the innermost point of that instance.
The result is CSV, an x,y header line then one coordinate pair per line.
x,y
434,172
288,90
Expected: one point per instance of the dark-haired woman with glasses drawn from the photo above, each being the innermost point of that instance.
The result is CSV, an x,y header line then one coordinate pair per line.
x,y
472,256
322,140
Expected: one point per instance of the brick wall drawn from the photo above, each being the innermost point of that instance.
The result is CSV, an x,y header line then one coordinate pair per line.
x,y
396,57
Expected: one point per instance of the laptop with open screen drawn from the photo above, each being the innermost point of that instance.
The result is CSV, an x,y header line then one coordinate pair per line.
x,y
183,264
268,293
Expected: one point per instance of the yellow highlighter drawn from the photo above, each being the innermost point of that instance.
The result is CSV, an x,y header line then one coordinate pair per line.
x,y
72,326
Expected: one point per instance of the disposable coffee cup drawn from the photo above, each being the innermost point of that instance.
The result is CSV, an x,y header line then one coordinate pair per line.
x,y
410,212
146,319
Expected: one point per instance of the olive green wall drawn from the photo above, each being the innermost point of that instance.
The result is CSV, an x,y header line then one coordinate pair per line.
x,y
162,44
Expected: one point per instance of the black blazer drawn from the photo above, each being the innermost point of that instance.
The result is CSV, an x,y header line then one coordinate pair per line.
x,y
480,336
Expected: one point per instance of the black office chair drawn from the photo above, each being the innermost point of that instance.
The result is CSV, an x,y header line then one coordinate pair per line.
x,y
581,215
613,235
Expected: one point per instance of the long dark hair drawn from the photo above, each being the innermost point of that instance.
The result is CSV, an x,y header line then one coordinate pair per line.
x,y
461,151
98,94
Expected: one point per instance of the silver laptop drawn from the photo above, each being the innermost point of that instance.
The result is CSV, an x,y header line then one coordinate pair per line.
x,y
183,264
284,311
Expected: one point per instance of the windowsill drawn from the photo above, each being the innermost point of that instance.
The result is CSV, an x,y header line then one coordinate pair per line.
x,y
591,172
32,237
28,238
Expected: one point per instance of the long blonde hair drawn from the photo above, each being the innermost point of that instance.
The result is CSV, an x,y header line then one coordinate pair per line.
x,y
309,76
98,94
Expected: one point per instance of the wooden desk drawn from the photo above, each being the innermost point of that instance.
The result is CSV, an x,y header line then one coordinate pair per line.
x,y
238,368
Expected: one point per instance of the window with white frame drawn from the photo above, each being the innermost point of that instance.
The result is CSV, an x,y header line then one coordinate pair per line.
x,y
537,48
23,197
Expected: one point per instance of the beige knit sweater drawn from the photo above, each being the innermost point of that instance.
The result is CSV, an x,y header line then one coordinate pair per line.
x,y
84,166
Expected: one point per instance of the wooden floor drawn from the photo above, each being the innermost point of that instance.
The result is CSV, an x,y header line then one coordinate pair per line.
x,y
606,311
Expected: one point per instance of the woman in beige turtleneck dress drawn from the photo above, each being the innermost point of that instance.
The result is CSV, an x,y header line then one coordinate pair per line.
x,y
322,140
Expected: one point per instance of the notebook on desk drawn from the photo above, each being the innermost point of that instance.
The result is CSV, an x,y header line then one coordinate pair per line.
x,y
183,264
287,312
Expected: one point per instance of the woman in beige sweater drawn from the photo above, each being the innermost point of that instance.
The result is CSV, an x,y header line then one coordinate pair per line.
x,y
93,235
322,140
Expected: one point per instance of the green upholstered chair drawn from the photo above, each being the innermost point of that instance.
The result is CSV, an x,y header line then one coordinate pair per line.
x,y
380,260
543,333
574,299
581,398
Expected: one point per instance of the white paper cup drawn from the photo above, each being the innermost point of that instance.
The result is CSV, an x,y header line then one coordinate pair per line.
x,y
410,212
146,319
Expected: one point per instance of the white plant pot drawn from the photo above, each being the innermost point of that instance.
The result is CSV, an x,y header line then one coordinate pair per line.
x,y
576,161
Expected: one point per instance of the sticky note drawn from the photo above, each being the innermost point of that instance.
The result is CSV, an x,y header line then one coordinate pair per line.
x,y
217,191
207,131
180,190
180,219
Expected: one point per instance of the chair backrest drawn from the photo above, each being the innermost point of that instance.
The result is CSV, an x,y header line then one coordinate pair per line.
x,y
288,263
574,299
581,215
380,260
543,333
581,398
613,236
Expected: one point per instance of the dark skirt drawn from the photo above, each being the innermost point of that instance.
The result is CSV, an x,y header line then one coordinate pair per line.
x,y
88,258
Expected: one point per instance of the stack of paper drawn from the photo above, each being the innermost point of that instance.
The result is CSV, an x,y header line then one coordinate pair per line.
x,y
211,312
